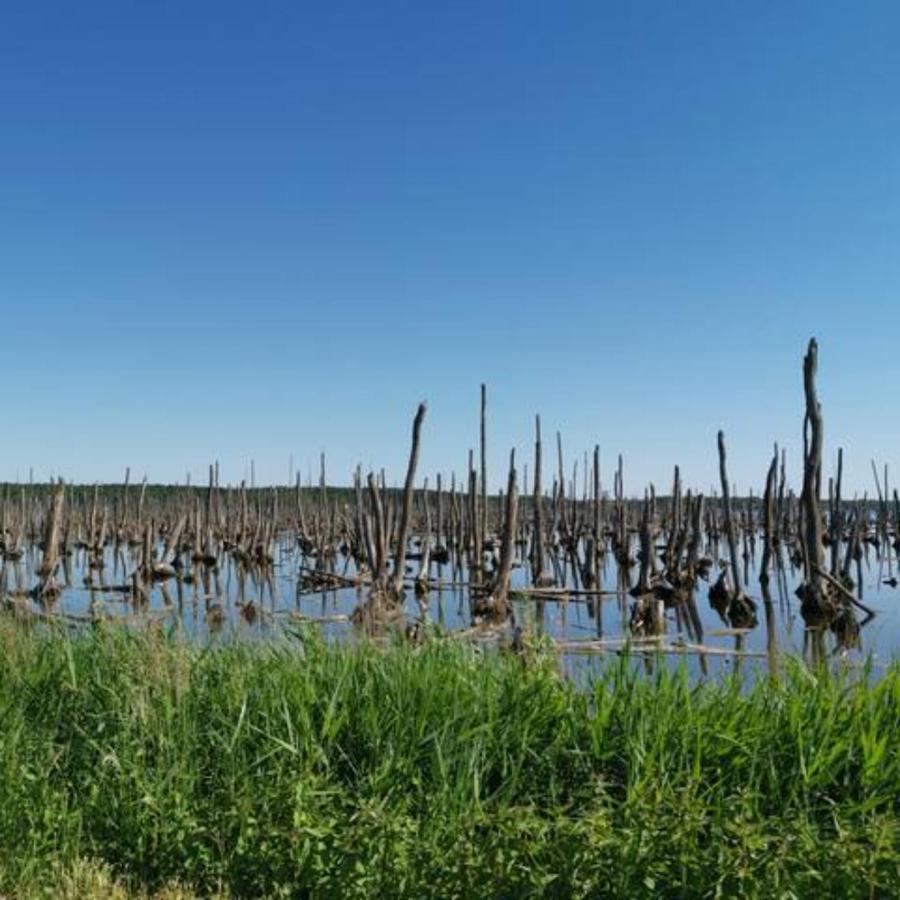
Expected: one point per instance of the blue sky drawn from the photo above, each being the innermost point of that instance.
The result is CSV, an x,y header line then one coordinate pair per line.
x,y
236,231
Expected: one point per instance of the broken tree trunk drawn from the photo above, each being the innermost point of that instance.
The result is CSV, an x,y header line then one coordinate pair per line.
x,y
816,604
740,610
768,520
537,550
495,608
48,586
406,512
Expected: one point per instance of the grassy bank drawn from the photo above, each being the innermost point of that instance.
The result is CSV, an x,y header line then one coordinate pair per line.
x,y
337,771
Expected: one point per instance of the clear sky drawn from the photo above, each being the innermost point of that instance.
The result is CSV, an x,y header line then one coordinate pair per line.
x,y
250,230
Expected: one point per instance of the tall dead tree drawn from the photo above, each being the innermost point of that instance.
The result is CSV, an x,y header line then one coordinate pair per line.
x,y
484,501
729,520
495,607
50,562
816,604
406,511
501,585
537,550
735,606
768,519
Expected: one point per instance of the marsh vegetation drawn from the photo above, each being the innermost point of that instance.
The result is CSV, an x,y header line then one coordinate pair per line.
x,y
315,768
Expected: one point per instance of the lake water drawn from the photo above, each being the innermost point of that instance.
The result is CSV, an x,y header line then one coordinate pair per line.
x,y
234,600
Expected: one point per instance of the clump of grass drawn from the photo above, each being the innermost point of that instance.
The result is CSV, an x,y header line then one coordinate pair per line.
x,y
91,880
315,769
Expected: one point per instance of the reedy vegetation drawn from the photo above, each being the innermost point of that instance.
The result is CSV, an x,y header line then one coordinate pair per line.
x,y
306,768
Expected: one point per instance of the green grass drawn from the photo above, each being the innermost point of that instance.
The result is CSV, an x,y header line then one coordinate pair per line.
x,y
138,761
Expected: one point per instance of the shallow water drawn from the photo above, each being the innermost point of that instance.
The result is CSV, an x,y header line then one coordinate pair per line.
x,y
234,600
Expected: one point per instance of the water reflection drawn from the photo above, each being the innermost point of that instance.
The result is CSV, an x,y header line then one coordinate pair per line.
x,y
597,611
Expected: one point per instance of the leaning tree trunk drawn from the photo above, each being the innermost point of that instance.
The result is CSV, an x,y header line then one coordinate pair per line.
x,y
406,512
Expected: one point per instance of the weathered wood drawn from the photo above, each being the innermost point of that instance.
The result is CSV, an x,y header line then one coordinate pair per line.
x,y
484,490
537,550
501,584
406,509
50,561
768,519
736,585
816,604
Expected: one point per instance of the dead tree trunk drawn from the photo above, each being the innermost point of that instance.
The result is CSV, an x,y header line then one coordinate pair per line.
x,y
495,608
768,520
48,586
484,498
729,521
406,512
537,550
816,604
740,610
